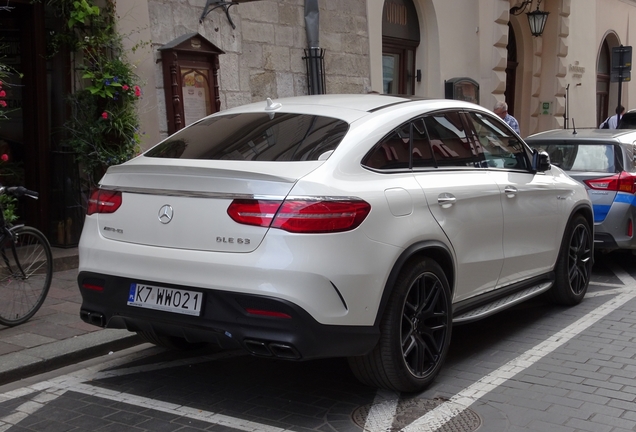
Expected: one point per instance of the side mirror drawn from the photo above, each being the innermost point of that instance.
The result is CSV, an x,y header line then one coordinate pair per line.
x,y
540,160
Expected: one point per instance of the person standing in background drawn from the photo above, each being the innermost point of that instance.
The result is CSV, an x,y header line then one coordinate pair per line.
x,y
501,109
612,122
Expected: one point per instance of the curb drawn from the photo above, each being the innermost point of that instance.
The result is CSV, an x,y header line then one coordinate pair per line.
x,y
48,357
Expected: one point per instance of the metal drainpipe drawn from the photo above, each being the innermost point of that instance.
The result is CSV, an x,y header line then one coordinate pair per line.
x,y
312,21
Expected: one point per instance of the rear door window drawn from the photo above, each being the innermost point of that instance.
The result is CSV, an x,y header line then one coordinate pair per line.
x,y
449,141
255,137
431,141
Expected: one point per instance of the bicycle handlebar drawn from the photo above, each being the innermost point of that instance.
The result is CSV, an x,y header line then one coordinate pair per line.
x,y
20,191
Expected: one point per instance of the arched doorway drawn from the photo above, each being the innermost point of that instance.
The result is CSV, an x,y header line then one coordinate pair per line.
x,y
603,69
400,38
511,71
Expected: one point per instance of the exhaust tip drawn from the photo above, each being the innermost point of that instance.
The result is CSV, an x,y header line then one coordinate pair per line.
x,y
94,318
272,349
284,351
257,348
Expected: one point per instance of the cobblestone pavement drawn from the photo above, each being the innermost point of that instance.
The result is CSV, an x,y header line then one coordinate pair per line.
x,y
536,367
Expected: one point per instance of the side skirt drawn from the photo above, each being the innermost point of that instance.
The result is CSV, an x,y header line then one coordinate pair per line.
x,y
489,304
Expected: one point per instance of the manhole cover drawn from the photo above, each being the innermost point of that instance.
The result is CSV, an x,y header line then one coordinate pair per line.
x,y
409,410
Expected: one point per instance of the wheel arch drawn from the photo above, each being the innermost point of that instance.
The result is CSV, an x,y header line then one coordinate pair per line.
x,y
435,250
584,210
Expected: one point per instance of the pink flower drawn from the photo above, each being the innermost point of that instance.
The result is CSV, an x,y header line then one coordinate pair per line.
x,y
3,104
104,115
3,93
137,91
4,157
125,87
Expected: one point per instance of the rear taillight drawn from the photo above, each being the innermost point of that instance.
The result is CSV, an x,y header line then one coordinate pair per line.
x,y
301,216
103,201
253,212
622,182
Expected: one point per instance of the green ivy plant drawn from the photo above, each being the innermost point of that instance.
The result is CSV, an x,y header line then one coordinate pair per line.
x,y
103,128
82,11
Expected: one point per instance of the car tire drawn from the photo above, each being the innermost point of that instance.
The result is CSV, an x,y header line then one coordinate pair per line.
x,y
169,342
574,264
415,332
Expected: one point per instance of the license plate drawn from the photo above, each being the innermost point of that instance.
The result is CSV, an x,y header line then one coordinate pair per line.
x,y
165,299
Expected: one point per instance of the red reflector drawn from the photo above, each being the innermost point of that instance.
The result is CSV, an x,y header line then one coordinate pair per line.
x,y
103,201
93,287
622,182
267,313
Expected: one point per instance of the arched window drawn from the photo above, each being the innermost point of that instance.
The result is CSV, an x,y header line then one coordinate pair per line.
x,y
603,70
400,38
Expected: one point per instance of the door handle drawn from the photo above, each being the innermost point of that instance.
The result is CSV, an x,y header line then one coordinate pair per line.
x,y
510,191
446,200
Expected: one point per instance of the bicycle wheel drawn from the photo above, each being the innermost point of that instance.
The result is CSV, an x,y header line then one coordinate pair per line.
x,y
25,283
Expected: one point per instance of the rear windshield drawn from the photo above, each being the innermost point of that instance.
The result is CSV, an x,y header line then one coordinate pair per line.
x,y
583,157
255,137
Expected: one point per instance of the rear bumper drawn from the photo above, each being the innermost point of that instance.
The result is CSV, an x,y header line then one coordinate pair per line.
x,y
604,241
613,232
224,320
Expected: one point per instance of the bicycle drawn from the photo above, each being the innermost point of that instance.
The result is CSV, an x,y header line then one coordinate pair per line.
x,y
26,266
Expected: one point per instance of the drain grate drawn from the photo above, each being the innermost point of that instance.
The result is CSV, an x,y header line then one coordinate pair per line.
x,y
409,410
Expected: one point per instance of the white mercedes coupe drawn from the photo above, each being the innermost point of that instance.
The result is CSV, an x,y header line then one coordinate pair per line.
x,y
357,226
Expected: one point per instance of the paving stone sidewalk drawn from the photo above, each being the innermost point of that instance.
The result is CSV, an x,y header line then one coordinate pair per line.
x,y
56,336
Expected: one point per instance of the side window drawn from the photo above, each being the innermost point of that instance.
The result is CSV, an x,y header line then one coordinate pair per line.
x,y
496,148
421,151
392,152
450,144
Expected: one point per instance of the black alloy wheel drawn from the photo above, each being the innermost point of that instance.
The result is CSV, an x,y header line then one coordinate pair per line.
x,y
415,331
574,263
579,259
424,325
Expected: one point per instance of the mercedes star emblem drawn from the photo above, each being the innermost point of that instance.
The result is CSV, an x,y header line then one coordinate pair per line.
x,y
165,214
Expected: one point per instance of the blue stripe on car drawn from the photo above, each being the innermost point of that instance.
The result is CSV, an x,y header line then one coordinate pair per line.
x,y
625,198
601,211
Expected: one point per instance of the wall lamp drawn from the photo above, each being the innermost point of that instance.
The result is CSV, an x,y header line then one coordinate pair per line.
x,y
536,18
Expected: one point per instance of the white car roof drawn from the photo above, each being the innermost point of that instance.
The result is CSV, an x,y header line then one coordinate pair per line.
x,y
345,105
622,135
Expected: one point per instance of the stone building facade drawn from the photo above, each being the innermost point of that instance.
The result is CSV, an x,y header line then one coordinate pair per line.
x,y
555,80
263,56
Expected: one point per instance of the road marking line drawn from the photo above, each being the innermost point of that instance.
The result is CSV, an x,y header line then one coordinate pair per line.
x,y
382,412
607,284
604,293
25,410
440,415
167,407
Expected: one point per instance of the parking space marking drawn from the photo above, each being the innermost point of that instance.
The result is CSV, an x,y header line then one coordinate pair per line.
x,y
438,417
382,411
615,291
26,409
76,383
